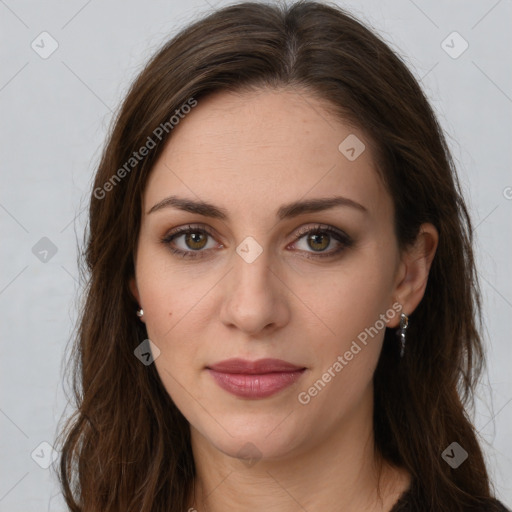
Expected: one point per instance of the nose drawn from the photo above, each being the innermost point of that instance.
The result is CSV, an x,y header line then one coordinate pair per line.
x,y
255,296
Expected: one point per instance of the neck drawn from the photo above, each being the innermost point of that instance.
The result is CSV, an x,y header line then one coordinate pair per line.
x,y
341,473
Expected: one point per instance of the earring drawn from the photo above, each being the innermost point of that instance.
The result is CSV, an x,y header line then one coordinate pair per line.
x,y
404,322
140,312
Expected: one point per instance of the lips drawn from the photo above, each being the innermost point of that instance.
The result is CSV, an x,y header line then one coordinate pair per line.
x,y
254,367
254,379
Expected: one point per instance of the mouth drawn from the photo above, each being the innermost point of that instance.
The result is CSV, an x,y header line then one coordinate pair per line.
x,y
255,379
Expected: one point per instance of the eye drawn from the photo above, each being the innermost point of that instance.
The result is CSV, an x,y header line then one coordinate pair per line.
x,y
194,240
318,238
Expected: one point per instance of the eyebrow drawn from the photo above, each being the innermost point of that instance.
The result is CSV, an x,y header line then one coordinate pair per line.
x,y
286,211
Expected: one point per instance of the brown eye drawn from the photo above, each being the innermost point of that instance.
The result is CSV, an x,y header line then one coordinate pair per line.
x,y
195,240
319,238
318,242
192,241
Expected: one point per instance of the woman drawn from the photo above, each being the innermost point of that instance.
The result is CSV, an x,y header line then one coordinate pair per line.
x,y
282,306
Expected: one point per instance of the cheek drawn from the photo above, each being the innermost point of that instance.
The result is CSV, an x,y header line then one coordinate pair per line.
x,y
347,353
173,323
171,294
351,302
351,298
177,313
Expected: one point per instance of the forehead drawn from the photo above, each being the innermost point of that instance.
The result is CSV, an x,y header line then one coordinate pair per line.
x,y
262,148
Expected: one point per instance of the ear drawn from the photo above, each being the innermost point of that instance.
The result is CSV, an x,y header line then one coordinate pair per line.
x,y
414,268
134,289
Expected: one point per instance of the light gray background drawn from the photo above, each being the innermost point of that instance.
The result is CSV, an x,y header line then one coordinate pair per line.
x,y
55,113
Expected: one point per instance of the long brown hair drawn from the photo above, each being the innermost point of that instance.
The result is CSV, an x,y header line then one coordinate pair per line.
x,y
127,446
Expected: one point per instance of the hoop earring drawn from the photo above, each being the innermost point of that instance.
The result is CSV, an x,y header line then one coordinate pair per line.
x,y
404,322
140,312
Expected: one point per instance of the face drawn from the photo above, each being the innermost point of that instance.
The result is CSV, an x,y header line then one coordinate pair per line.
x,y
256,280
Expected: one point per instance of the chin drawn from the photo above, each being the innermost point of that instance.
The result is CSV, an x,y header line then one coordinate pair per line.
x,y
252,449
250,439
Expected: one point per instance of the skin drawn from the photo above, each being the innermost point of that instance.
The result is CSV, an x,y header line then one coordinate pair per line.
x,y
249,153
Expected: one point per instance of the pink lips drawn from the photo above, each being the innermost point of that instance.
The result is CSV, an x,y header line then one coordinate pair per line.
x,y
255,379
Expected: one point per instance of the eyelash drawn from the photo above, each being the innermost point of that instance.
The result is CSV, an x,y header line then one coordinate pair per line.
x,y
341,237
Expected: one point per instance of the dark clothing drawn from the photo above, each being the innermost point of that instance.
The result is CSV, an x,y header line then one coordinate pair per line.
x,y
412,501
